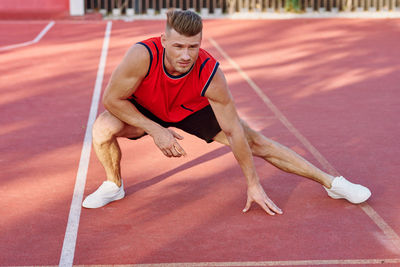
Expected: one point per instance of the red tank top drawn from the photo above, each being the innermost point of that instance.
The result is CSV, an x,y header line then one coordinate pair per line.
x,y
173,98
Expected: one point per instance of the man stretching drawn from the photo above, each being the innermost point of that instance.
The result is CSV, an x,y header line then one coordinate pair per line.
x,y
169,81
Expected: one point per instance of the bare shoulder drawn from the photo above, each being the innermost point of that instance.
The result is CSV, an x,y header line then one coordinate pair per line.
x,y
135,62
128,75
218,90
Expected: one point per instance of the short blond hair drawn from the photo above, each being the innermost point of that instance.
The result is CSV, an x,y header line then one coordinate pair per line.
x,y
184,22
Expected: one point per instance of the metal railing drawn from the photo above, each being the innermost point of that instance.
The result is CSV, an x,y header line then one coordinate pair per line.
x,y
221,7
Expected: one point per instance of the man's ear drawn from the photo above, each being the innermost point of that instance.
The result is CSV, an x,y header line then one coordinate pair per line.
x,y
163,39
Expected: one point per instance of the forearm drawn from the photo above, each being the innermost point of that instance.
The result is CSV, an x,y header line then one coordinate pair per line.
x,y
242,152
128,113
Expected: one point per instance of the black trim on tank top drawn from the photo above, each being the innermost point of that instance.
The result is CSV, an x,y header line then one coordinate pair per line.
x,y
151,56
187,108
178,76
202,65
203,92
158,52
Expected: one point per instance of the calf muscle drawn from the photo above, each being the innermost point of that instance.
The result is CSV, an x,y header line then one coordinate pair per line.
x,y
106,129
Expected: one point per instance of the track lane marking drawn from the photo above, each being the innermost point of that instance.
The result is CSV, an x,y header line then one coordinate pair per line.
x,y
371,213
248,263
68,249
34,41
261,263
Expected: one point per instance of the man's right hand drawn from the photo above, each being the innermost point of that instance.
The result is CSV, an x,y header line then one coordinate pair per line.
x,y
165,139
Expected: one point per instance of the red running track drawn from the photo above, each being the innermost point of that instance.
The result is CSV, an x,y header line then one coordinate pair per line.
x,y
335,80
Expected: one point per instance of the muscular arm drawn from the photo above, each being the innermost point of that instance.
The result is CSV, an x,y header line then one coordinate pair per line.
x,y
223,106
124,81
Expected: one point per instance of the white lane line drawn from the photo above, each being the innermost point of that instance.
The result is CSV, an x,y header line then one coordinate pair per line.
x,y
381,223
270,263
372,214
68,249
260,263
58,21
34,41
248,263
277,112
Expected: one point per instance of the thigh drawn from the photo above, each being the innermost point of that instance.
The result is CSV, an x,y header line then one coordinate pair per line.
x,y
108,124
221,138
134,133
131,132
250,134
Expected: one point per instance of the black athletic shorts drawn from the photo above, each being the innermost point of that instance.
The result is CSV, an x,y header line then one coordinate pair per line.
x,y
202,123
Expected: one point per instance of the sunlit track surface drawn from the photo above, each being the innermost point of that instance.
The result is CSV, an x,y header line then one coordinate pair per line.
x,y
325,88
34,41
378,220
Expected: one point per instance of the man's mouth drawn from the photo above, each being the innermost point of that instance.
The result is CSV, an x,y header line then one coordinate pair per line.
x,y
183,64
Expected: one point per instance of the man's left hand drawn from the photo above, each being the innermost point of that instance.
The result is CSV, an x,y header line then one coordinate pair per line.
x,y
256,193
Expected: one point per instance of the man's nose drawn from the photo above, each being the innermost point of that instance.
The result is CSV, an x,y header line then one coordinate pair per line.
x,y
185,54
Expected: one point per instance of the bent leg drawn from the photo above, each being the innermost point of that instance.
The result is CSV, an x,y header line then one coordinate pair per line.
x,y
280,156
106,129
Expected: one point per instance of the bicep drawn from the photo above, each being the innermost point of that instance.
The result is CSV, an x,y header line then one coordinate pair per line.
x,y
128,74
222,103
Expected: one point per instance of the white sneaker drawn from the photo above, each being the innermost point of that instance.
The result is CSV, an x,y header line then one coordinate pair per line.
x,y
341,188
106,193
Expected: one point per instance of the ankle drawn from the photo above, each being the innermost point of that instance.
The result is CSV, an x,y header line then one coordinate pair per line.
x,y
328,181
118,182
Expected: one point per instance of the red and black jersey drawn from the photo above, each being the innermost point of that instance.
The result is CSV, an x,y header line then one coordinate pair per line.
x,y
173,98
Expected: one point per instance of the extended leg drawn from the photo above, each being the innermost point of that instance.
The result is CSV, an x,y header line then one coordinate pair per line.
x,y
280,156
289,161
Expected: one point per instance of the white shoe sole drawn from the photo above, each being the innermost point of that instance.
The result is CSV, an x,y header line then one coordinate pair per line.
x,y
89,205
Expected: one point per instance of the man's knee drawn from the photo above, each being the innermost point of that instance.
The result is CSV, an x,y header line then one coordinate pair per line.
x,y
260,145
252,136
106,127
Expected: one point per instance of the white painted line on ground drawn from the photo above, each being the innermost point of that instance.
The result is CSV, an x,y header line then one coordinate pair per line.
x,y
277,112
100,21
378,220
381,223
34,41
262,263
249,263
68,249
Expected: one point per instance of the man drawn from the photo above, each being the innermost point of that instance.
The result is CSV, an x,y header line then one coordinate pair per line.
x,y
169,81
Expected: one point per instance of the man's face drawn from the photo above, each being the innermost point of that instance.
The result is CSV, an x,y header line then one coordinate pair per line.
x,y
180,51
